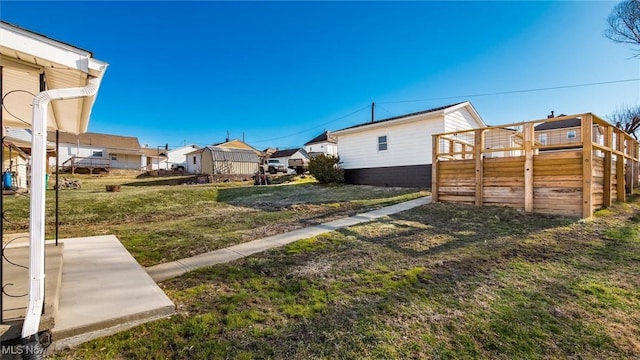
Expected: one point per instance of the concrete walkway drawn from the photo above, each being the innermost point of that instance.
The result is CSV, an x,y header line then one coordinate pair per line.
x,y
176,268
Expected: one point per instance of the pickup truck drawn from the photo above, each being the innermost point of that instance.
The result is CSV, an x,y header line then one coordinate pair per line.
x,y
299,165
273,166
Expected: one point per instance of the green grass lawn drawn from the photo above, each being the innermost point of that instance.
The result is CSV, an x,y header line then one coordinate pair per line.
x,y
436,282
159,220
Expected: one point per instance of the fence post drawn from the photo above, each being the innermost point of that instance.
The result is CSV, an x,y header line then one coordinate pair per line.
x,y
478,147
620,178
587,166
608,143
528,167
434,167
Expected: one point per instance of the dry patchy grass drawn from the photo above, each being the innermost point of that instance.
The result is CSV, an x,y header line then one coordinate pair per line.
x,y
439,281
159,220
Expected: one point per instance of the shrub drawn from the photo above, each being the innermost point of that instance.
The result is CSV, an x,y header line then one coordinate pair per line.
x,y
325,169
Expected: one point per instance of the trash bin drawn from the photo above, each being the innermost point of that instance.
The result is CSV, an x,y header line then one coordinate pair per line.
x,y
7,180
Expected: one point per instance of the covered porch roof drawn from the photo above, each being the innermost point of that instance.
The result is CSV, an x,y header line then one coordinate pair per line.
x,y
31,63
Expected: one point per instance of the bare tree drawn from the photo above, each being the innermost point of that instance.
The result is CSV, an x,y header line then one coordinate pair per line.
x,y
627,118
624,24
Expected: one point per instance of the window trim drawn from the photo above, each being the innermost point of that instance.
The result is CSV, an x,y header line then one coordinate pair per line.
x,y
569,132
543,139
386,143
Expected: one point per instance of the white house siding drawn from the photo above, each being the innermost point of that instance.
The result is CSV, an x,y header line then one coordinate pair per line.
x,y
125,161
407,144
177,157
194,161
322,147
460,119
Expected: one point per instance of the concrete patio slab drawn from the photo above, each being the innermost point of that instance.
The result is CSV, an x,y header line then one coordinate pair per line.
x,y
16,281
104,290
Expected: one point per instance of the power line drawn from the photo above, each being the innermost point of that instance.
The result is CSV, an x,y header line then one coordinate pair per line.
x,y
511,91
315,127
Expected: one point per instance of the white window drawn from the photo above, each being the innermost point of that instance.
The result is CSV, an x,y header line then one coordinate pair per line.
x,y
543,139
114,157
382,143
194,160
571,134
96,154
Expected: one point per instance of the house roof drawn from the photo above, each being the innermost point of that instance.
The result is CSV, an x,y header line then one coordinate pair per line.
x,y
192,147
560,124
407,116
237,144
23,137
324,137
156,153
230,154
286,152
25,55
98,140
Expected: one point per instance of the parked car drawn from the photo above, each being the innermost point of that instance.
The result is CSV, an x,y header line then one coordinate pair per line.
x,y
299,165
274,166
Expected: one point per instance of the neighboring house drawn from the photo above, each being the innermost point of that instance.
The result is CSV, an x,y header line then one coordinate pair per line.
x,y
177,158
98,151
397,151
16,145
216,160
564,132
325,143
153,159
503,138
18,142
284,155
194,162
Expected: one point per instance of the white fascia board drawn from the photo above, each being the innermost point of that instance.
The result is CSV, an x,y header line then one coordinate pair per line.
x,y
42,47
383,124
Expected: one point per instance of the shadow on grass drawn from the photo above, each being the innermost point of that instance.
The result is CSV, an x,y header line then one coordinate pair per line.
x,y
164,181
437,228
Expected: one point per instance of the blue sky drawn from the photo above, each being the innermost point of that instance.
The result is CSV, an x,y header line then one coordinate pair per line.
x,y
282,72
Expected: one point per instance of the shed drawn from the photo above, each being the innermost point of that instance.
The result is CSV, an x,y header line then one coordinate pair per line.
x,y
216,160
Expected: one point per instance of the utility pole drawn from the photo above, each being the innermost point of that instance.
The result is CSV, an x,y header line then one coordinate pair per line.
x,y
373,111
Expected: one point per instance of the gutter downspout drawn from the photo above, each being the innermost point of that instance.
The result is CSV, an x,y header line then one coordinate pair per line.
x,y
37,205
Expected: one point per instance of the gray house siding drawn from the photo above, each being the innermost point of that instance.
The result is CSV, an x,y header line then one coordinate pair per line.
x,y
414,176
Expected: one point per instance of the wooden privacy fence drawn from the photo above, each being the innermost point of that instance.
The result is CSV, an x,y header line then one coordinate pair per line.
x,y
569,165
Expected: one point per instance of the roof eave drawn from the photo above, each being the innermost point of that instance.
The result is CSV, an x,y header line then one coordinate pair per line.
x,y
378,124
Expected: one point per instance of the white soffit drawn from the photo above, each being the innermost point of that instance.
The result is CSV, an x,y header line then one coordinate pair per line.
x,y
25,55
